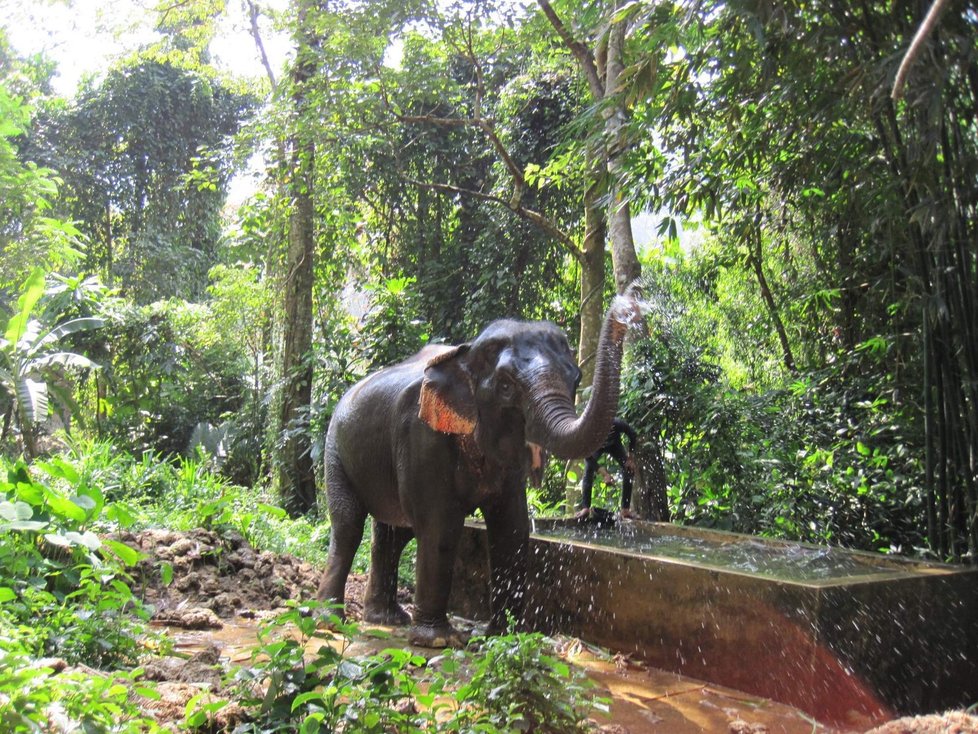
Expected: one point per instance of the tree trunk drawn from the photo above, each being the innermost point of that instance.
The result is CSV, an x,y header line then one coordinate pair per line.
x,y
651,499
755,262
296,480
295,477
592,295
592,282
626,266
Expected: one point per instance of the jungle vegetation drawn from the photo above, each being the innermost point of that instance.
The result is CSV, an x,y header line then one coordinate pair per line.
x,y
810,365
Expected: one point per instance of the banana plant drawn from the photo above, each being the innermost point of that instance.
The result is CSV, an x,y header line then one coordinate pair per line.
x,y
30,357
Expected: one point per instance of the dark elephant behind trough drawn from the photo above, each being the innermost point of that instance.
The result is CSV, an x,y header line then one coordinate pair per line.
x,y
422,444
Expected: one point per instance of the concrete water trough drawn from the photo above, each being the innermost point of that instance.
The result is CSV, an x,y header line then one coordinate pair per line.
x,y
850,638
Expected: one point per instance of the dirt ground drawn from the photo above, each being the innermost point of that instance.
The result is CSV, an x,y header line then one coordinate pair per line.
x,y
221,588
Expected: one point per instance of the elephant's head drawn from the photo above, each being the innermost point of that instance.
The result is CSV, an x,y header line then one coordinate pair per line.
x,y
514,387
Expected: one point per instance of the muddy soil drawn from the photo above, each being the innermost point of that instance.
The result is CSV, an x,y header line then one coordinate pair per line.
x,y
215,590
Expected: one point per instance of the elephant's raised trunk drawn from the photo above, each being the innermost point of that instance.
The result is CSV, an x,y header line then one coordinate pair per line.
x,y
568,435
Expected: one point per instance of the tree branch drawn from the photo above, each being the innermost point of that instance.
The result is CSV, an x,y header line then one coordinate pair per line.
x,y
578,49
528,214
916,46
255,34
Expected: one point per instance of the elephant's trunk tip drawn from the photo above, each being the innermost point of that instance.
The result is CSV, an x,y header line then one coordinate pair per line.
x,y
628,309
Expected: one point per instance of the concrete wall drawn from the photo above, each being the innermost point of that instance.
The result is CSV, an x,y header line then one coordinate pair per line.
x,y
849,652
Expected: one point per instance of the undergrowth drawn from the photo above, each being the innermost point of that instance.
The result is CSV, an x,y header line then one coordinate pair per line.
x,y
72,632
506,683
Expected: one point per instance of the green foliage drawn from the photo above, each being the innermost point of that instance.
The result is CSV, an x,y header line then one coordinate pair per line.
x,y
241,304
830,209
392,329
452,231
825,459
514,682
56,568
506,683
169,366
145,160
330,692
30,358
34,697
30,236
184,493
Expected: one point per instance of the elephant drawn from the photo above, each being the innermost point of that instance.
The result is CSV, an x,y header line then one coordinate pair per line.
x,y
422,444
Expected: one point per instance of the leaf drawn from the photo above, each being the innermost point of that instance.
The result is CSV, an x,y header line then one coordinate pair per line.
x,y
63,359
278,513
625,10
129,556
304,698
85,502
33,289
15,510
26,525
120,513
71,327
60,469
65,508
32,396
7,594
70,538
90,540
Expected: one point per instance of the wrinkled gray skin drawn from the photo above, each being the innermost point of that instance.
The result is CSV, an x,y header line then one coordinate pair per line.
x,y
422,444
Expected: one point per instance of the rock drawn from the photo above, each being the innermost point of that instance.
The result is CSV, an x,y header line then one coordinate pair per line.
x,y
191,618
950,722
739,726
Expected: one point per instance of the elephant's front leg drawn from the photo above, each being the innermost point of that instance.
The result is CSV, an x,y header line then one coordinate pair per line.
x,y
508,528
438,538
380,601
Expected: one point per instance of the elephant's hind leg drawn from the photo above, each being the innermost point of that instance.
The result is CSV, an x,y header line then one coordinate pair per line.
x,y
347,516
380,603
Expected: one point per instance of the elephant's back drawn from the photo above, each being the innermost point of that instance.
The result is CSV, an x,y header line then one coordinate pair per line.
x,y
382,398
376,397
362,431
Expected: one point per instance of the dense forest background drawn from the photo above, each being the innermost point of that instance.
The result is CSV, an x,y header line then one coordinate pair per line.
x,y
810,366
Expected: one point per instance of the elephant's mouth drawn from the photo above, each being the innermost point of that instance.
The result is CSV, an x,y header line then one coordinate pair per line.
x,y
538,460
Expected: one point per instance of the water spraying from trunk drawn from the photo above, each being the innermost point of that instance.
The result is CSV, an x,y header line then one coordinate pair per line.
x,y
570,436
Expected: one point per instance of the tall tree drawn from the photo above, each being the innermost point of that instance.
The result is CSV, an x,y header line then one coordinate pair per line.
x,y
783,133
292,460
145,159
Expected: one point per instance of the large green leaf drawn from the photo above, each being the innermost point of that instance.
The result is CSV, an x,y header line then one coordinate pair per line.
x,y
32,292
28,336
64,507
69,327
32,397
63,359
19,516
129,556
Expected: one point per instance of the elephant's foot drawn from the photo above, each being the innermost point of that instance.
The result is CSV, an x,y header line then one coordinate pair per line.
x,y
437,636
390,616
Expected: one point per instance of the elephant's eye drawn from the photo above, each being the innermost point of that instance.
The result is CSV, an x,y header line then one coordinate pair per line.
x,y
506,387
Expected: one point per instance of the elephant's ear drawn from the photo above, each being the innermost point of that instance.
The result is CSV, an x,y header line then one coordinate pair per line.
x,y
447,402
